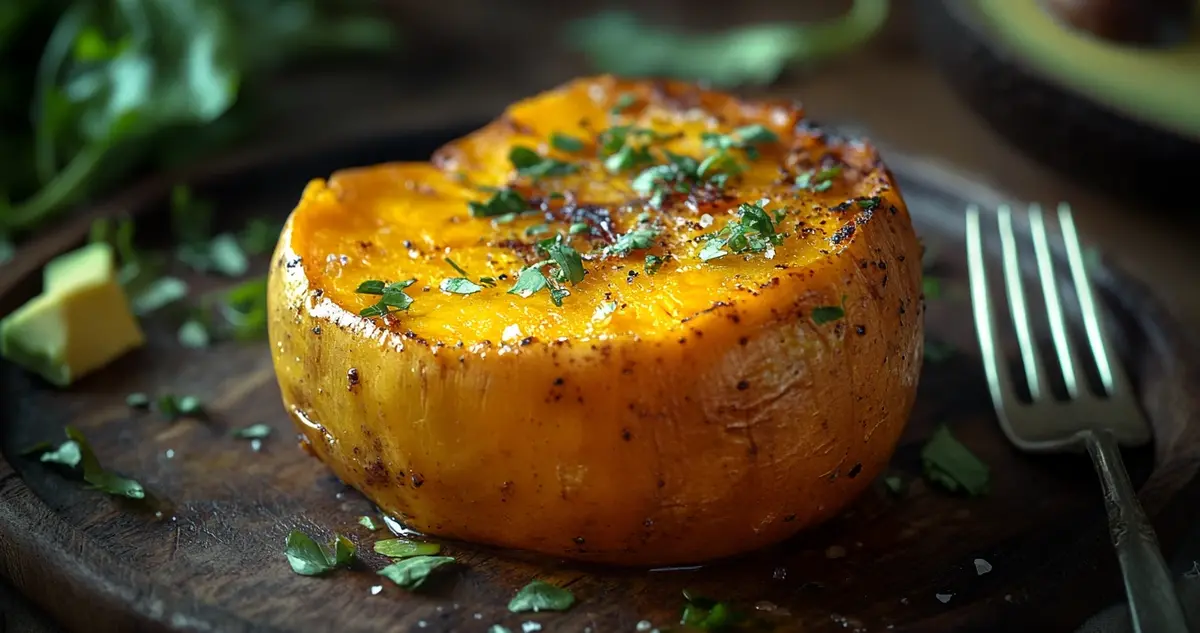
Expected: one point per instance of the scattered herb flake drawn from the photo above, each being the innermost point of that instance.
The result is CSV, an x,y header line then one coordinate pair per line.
x,y
530,281
541,596
635,240
653,263
894,484
868,204
459,286
411,573
604,310
405,548
392,297
308,558
97,476
193,335
533,165
458,269
171,406
158,294
367,522
624,102
565,143
536,229
707,614
949,464
627,157
578,227
137,401
502,202
67,454
753,232
253,432
826,314
569,261
818,181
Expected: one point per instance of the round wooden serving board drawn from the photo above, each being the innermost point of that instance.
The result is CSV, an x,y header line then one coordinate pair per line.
x,y
213,559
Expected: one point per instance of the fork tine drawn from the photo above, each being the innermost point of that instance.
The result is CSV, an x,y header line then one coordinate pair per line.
x,y
1030,357
995,366
1097,340
1071,369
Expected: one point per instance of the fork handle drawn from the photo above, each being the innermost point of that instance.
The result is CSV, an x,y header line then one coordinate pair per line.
x,y
1153,605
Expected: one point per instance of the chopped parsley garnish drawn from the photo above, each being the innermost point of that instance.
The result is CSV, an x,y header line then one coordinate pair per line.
x,y
744,138
391,297
570,263
529,163
502,202
258,431
868,204
678,175
172,406
530,281
818,181
405,548
894,484
536,229
193,334
76,452
137,400
308,558
653,263
626,147
628,157
753,232
459,286
411,573
624,102
604,310
158,294
565,143
244,308
951,465
579,227
707,614
367,522
826,314
637,239
541,596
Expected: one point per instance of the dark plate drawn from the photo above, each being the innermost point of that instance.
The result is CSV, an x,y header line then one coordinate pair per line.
x,y
213,560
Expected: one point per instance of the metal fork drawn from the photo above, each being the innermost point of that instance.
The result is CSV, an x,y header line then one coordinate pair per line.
x,y
1101,423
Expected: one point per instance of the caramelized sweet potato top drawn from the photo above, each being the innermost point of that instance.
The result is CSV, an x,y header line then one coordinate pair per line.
x,y
604,209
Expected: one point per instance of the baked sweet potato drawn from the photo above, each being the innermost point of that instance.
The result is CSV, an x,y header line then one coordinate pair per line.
x,y
628,321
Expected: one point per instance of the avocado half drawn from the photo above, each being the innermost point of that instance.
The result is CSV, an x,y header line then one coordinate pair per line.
x,y
1116,116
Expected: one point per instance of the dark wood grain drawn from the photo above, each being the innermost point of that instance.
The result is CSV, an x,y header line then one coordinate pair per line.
x,y
206,554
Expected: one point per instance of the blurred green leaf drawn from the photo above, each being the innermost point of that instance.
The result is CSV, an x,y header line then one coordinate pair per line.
x,y
617,42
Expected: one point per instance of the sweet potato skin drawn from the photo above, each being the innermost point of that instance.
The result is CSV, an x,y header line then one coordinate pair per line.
x,y
711,414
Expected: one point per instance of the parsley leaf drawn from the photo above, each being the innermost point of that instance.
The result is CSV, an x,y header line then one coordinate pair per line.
x,y
411,573
405,548
530,281
745,138
459,286
565,143
530,163
628,157
308,558
708,614
392,297
624,102
570,263
653,263
868,204
244,308
951,465
171,406
502,202
825,314
635,240
76,452
754,232
541,596
818,181
367,522
193,334
67,454
158,294
253,432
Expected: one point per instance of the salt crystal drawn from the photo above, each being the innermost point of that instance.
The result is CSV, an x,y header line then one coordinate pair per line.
x,y
982,566
943,597
376,589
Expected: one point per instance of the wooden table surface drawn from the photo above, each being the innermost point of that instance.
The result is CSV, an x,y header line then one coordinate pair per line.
x,y
887,88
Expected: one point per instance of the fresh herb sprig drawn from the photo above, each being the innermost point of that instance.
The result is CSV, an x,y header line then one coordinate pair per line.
x,y
308,558
565,265
392,297
753,232
77,452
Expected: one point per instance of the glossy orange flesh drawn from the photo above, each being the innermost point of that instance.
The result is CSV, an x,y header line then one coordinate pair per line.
x,y
706,409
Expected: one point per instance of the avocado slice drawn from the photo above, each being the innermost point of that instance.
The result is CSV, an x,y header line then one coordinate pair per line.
x,y
1116,116
81,322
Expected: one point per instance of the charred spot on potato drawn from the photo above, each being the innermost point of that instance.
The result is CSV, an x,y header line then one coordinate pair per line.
x,y
417,480
352,378
854,470
743,385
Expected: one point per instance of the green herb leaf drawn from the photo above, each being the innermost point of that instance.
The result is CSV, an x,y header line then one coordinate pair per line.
x,y
244,308
173,407
308,558
502,202
826,314
530,163
868,204
367,522
499,628
637,239
67,454
565,143
391,297
570,263
604,310
193,335
708,614
536,229
624,102
137,401
931,287
627,157
578,228
894,484
818,181
411,573
405,548
97,476
754,232
158,294
530,281
541,596
618,42
459,286
653,263
458,269
953,466
253,432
